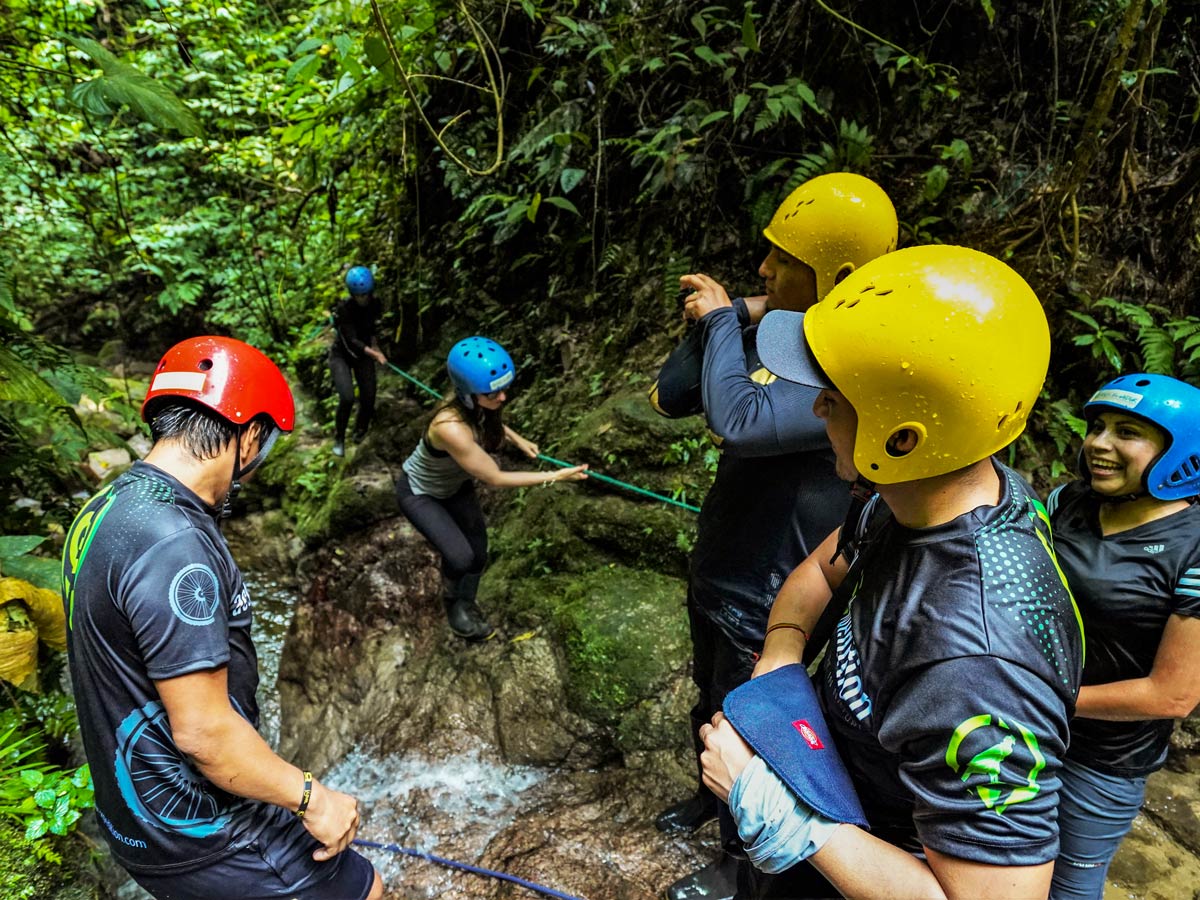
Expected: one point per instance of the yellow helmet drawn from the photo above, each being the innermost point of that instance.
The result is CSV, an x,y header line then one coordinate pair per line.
x,y
946,341
834,223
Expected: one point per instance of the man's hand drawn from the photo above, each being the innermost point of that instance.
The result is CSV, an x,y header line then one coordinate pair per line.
x,y
376,355
332,818
706,296
725,755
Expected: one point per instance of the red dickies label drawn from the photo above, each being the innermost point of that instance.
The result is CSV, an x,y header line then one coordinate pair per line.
x,y
810,736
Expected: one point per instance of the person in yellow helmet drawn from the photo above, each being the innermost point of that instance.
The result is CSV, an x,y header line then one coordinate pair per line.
x,y
955,659
776,494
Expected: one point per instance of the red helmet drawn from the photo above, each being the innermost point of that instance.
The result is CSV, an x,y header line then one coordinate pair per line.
x,y
226,375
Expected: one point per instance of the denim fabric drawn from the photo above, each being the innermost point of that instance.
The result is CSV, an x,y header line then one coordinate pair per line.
x,y
1095,812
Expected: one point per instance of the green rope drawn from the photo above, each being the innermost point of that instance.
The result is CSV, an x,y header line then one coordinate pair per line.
x,y
422,385
566,465
623,484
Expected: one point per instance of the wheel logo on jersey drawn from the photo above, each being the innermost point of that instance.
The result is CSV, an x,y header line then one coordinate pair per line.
x,y
195,595
157,782
999,761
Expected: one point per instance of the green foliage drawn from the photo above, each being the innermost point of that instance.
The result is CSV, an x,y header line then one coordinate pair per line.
x,y
1125,336
123,85
43,800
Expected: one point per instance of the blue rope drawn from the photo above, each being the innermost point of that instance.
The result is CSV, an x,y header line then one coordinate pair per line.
x,y
466,867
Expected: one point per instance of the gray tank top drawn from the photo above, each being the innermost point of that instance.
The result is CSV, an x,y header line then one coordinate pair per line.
x,y
433,472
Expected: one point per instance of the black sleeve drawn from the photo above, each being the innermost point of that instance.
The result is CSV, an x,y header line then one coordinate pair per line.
x,y
753,418
980,741
176,598
676,393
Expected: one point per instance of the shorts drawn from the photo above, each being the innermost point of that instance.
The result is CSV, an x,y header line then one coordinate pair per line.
x,y
277,864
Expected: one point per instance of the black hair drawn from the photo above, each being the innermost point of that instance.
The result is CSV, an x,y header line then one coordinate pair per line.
x,y
485,423
203,432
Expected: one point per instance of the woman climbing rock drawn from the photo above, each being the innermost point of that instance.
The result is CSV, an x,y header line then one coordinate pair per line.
x,y
436,488
354,354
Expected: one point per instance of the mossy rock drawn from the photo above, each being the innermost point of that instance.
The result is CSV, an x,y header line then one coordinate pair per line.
x,y
353,502
623,631
573,528
625,436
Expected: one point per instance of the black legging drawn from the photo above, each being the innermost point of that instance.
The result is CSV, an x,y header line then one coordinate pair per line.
x,y
364,373
454,526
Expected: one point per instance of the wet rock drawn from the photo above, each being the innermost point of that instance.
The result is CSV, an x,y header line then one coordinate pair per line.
x,y
532,726
623,632
1152,866
1173,802
264,542
102,464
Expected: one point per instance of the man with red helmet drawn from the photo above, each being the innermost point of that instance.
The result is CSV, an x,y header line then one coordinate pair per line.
x,y
194,803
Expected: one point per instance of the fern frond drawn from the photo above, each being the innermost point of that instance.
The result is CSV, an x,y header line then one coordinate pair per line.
x,y
1158,350
20,383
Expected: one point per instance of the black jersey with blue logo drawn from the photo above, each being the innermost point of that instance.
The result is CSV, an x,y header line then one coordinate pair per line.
x,y
1127,586
152,593
950,680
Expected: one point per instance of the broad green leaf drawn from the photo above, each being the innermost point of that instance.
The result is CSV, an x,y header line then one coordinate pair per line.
x,y
37,570
376,51
707,54
125,85
18,544
563,203
701,25
311,44
32,778
45,798
344,44
936,180
570,178
713,117
535,204
749,36
35,829
989,11
740,102
303,69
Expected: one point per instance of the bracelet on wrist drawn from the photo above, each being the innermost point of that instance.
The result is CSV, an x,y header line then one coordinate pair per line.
x,y
778,625
308,783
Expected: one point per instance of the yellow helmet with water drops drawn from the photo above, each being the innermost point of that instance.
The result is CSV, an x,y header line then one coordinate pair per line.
x,y
947,342
835,223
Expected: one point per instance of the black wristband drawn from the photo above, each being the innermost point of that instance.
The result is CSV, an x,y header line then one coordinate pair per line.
x,y
303,808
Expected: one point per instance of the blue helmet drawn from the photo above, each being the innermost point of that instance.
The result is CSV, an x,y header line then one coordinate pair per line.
x,y
1171,405
479,365
359,280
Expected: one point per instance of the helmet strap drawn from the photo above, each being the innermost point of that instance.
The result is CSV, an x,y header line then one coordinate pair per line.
x,y
854,527
240,471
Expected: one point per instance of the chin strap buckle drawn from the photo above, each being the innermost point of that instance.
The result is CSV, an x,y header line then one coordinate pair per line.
x,y
862,492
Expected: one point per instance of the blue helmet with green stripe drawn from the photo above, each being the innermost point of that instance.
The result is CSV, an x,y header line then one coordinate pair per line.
x,y
1171,405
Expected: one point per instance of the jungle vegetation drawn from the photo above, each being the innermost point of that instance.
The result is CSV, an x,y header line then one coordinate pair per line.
x,y
541,170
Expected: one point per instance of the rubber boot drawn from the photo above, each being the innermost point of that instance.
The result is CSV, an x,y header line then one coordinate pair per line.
x,y
687,815
462,612
716,881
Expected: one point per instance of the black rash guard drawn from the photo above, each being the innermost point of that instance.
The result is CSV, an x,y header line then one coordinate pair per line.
x,y
1127,585
152,593
355,323
776,494
950,680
